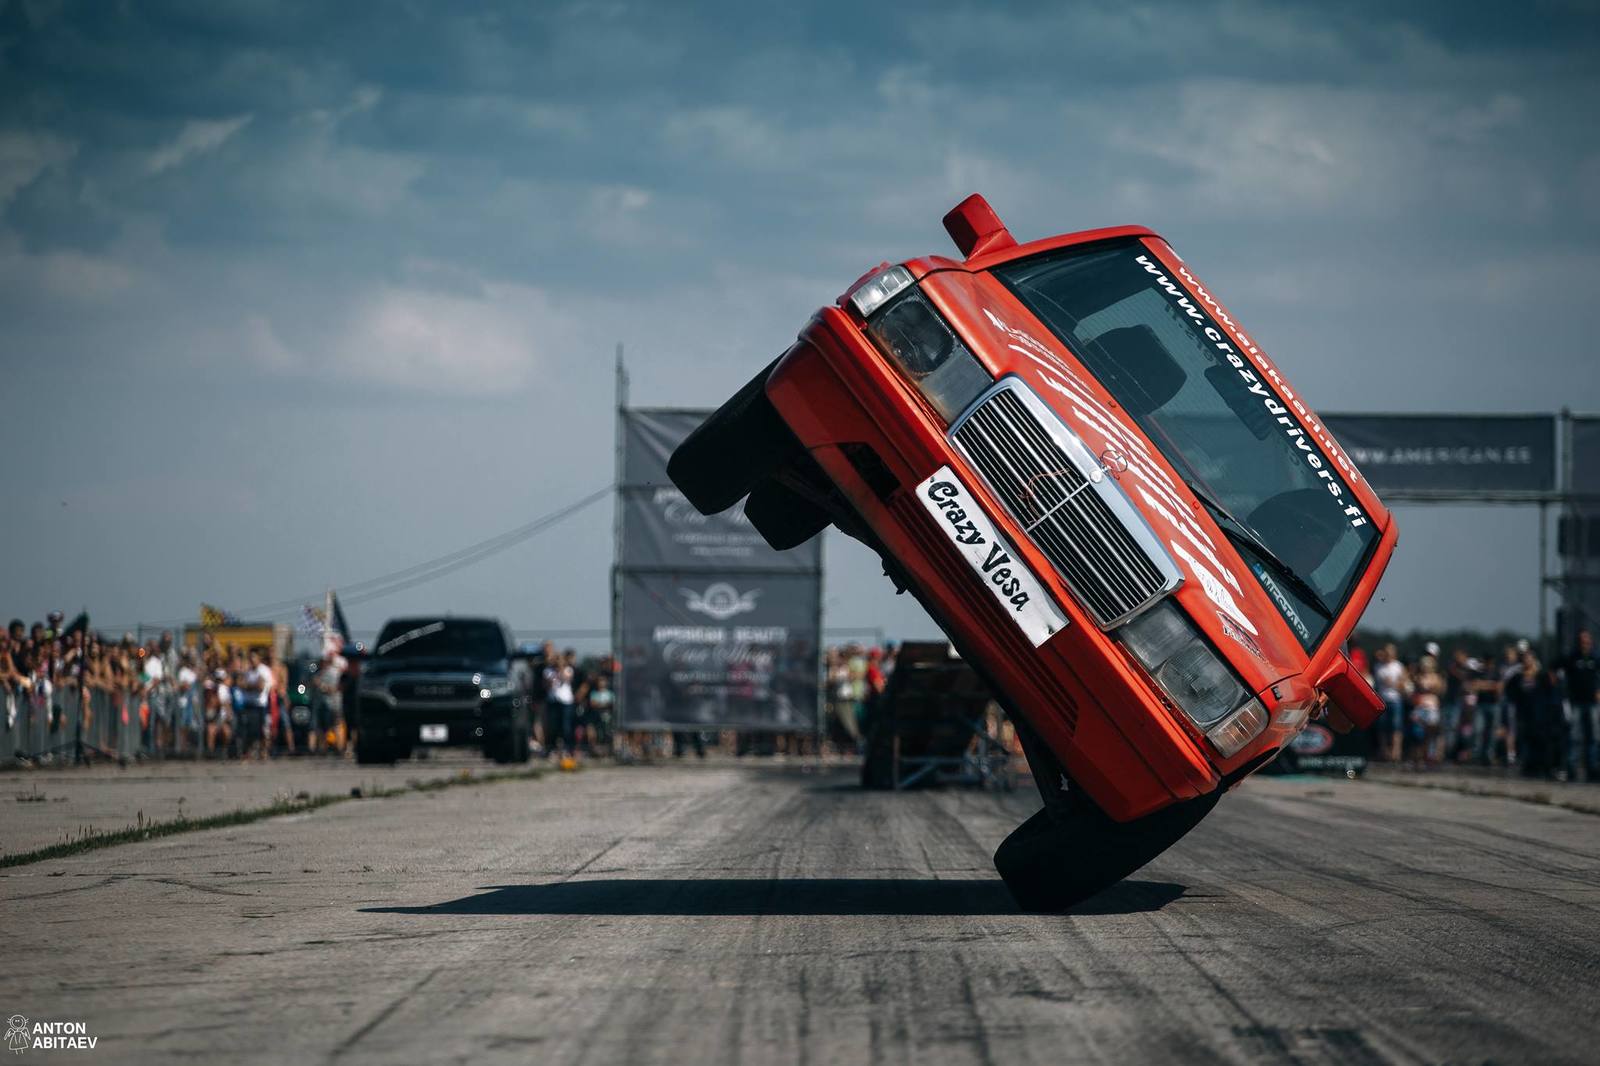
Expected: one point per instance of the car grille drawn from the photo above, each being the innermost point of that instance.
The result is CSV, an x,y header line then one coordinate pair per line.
x,y
1002,635
432,691
1067,516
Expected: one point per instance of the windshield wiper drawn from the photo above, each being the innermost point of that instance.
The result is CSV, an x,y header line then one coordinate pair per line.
x,y
1242,534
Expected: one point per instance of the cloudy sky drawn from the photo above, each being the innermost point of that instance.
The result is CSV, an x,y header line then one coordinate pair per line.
x,y
298,294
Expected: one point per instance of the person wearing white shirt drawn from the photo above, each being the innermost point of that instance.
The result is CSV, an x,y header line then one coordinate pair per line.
x,y
188,696
257,685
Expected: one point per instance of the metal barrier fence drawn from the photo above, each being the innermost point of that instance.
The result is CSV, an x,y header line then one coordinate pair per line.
x,y
58,723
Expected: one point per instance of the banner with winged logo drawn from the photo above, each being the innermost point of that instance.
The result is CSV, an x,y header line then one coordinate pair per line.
x,y
707,651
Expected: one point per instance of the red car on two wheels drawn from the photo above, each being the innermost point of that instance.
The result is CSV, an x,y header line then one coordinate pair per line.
x,y
1114,503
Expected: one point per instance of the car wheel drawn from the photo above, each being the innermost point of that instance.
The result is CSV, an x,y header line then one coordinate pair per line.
x,y
499,751
1059,858
730,452
782,516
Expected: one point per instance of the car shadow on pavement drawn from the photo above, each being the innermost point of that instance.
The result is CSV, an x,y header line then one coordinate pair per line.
x,y
723,897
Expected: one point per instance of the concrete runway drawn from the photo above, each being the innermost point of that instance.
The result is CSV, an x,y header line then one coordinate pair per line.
x,y
56,805
743,914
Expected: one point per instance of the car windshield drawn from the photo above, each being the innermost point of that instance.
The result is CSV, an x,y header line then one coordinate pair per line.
x,y
445,638
1157,348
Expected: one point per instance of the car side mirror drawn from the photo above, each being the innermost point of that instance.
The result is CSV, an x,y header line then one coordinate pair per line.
x,y
1355,704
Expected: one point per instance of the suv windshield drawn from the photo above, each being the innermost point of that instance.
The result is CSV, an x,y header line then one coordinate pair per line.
x,y
444,638
1156,349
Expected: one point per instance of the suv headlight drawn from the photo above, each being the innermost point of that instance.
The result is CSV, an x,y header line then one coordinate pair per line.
x,y
1196,678
915,336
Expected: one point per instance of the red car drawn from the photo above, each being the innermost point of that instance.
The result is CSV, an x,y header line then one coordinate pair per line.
x,y
1122,514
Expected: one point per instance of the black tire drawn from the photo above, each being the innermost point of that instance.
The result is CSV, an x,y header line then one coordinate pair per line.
x,y
1056,860
504,751
730,452
783,517
369,753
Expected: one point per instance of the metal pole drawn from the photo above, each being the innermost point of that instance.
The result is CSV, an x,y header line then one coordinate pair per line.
x,y
820,651
1544,555
1569,513
618,713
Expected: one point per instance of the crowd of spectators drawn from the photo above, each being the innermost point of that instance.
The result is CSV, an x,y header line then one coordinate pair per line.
x,y
209,699
854,676
1475,706
1469,706
573,714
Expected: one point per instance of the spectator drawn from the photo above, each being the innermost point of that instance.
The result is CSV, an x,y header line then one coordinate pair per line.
x,y
1523,697
1512,669
326,704
278,704
1550,723
1389,678
559,700
187,692
1460,703
1429,687
256,683
1583,697
153,687
11,682
601,701
219,713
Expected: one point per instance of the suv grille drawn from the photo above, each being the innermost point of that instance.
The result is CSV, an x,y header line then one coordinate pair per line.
x,y
1082,526
432,691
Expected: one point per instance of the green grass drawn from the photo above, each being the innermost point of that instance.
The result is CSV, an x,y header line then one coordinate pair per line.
x,y
91,839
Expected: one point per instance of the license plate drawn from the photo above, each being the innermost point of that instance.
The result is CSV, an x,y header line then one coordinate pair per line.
x,y
435,734
1014,587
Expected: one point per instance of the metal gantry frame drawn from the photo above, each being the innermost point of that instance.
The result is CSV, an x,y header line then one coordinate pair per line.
x,y
1564,496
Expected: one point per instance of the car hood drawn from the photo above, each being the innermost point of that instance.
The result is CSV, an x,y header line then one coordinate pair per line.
x,y
1218,591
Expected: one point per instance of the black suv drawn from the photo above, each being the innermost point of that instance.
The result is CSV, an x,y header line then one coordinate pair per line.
x,y
437,682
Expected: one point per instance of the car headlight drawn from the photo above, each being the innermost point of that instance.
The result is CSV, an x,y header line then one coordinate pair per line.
x,y
1195,677
913,334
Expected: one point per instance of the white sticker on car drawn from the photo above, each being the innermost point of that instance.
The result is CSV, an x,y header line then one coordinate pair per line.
x,y
1008,579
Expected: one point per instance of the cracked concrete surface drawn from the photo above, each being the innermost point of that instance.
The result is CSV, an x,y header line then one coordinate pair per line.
x,y
748,914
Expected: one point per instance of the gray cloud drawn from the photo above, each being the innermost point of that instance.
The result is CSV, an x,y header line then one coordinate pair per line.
x,y
297,293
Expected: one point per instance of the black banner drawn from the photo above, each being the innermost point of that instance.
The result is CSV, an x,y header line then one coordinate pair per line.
x,y
713,628
1451,453
707,650
1318,749
649,435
